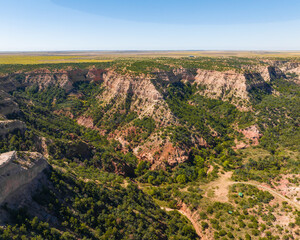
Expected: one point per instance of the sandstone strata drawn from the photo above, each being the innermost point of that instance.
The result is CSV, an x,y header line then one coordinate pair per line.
x,y
251,135
7,104
17,170
43,78
145,99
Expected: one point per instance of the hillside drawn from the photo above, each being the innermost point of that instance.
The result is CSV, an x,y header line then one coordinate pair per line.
x,y
130,140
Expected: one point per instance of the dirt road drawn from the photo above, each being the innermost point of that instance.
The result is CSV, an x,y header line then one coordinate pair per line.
x,y
220,188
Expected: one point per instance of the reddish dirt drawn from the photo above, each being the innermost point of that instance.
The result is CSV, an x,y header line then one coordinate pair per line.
x,y
252,134
287,188
85,121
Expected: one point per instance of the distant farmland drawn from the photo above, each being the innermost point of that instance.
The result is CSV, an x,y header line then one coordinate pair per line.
x,y
27,59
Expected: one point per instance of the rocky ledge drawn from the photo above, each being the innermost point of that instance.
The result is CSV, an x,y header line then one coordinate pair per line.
x,y
18,169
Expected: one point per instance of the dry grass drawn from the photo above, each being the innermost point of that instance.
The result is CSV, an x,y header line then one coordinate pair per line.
x,y
105,56
26,59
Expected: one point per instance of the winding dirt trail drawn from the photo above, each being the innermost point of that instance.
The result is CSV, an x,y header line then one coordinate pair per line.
x,y
221,189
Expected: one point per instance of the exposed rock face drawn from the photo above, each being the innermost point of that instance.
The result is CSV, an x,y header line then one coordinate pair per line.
x,y
224,85
7,104
44,78
17,170
160,154
85,121
146,100
62,78
229,86
9,126
175,75
292,69
235,87
289,69
252,136
252,133
41,145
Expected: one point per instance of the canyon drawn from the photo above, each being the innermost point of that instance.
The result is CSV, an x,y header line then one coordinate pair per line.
x,y
81,145
146,96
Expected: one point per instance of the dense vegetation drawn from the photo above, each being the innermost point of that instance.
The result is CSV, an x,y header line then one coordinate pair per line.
x,y
96,211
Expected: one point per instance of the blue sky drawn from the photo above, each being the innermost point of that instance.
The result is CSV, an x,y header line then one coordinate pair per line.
x,y
49,25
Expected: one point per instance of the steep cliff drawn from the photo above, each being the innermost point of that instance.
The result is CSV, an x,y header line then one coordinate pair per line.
x,y
287,69
7,104
235,87
145,99
44,78
10,126
227,85
231,85
142,98
17,170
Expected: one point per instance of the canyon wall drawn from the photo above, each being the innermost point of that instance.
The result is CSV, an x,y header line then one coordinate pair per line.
x,y
7,104
10,126
146,100
17,170
227,85
44,78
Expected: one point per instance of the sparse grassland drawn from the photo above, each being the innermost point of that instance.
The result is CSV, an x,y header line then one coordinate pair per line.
x,y
27,59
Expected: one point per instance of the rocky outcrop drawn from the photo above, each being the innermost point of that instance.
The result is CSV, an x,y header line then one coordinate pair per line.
x,y
292,70
17,170
145,99
251,137
142,95
7,104
86,122
252,133
288,69
160,153
175,75
10,126
225,85
234,86
231,85
62,78
44,78
256,81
